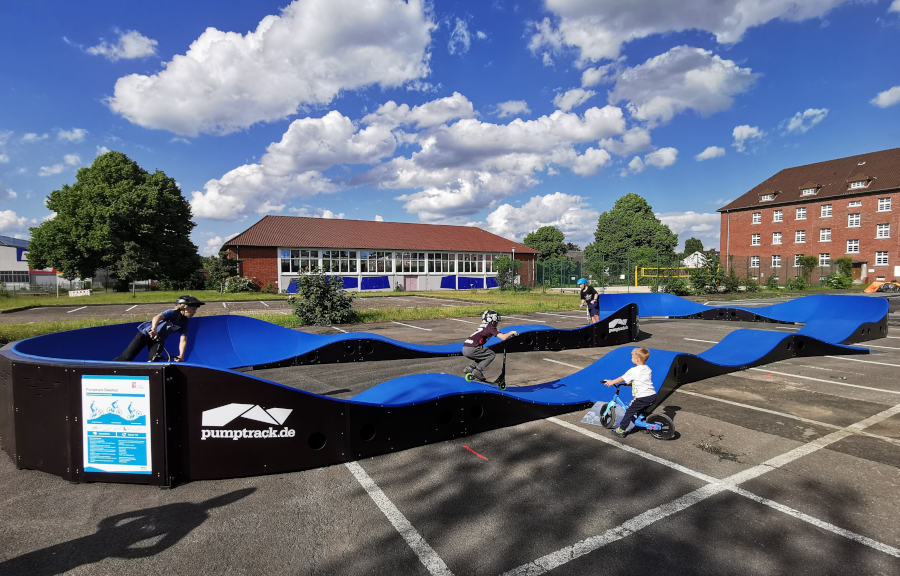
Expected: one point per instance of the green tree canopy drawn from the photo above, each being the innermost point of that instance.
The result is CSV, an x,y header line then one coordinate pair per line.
x,y
220,268
630,234
119,217
547,239
692,245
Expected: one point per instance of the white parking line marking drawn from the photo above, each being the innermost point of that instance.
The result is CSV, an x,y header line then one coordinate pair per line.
x,y
76,309
864,361
526,319
132,308
706,341
338,329
458,320
579,317
714,486
426,553
827,381
264,304
564,363
885,347
224,305
411,326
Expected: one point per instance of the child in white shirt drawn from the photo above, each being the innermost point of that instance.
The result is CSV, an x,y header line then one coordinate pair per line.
x,y
640,378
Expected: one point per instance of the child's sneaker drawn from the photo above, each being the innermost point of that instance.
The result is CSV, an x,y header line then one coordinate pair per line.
x,y
619,432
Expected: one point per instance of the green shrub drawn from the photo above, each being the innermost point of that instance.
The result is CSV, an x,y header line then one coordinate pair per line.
x,y
751,285
772,282
839,281
240,284
796,283
322,301
678,287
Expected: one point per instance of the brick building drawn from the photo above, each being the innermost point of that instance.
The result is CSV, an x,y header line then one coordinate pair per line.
x,y
372,255
844,208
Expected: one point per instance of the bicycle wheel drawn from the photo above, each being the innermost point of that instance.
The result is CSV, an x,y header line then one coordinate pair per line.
x,y
667,427
607,418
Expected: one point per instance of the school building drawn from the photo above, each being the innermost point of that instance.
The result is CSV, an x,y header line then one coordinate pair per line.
x,y
371,255
834,209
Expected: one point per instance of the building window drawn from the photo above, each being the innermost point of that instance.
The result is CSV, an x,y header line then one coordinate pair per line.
x,y
853,220
776,237
777,216
299,261
339,261
852,246
766,197
855,204
808,192
754,239
881,258
797,258
412,262
825,211
824,260
884,204
376,262
857,184
825,235
754,261
799,236
883,231
800,214
776,261
756,218
14,276
441,262
471,263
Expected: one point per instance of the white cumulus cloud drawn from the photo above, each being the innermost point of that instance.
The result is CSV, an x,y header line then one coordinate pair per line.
x,y
573,216
131,44
73,135
11,223
51,170
703,226
803,121
306,55
743,134
460,39
710,152
572,98
887,97
683,78
512,108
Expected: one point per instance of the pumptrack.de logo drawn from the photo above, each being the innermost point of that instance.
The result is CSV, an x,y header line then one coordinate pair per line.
x,y
216,418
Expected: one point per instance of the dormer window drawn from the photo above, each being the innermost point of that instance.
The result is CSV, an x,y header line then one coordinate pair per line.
x,y
808,192
857,184
766,197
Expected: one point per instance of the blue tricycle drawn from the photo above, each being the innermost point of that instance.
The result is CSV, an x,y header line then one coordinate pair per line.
x,y
660,426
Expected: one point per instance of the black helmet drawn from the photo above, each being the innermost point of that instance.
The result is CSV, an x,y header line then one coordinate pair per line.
x,y
189,301
490,316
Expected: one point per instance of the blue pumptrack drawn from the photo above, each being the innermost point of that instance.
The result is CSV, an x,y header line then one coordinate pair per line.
x,y
422,408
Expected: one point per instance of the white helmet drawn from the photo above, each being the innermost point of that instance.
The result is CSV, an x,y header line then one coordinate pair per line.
x,y
490,316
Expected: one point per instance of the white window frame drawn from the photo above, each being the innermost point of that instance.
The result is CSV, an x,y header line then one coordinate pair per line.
x,y
778,215
756,218
884,204
754,239
800,213
825,211
881,258
754,261
376,262
854,220
882,231
800,237
853,246
855,204
338,261
797,258
411,263
766,197
776,238
776,261
808,192
824,260
824,234
857,184
298,260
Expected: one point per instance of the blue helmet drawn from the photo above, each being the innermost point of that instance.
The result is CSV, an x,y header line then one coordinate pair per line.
x,y
581,281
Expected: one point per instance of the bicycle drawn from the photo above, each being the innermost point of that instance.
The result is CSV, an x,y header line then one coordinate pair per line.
x,y
660,426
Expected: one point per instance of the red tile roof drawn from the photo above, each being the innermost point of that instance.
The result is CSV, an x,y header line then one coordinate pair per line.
x,y
301,232
831,178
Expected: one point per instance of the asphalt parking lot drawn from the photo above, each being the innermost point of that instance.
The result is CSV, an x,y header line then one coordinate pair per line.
x,y
788,468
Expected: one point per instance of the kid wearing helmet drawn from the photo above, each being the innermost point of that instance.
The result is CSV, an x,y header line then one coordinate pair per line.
x,y
592,298
152,334
473,347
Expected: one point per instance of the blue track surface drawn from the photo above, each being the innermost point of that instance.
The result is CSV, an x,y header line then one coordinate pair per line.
x,y
229,342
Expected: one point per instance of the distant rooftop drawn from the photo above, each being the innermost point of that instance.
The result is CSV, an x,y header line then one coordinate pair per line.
x,y
10,241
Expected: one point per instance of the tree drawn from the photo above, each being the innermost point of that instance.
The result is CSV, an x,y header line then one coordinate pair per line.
x,y
119,217
548,240
692,245
630,235
220,268
506,269
322,300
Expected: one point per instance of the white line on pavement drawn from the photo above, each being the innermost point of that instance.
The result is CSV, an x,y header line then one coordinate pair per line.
x,y
714,486
564,363
826,381
706,341
132,308
526,319
338,329
458,320
411,326
264,304
864,361
76,310
884,347
426,553
224,305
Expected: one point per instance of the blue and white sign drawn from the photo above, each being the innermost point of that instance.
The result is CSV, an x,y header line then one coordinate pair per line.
x,y
116,424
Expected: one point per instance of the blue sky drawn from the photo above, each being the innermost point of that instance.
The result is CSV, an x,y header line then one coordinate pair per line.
x,y
504,115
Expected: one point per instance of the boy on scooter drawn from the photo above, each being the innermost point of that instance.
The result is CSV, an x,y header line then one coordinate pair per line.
x,y
473,347
640,378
